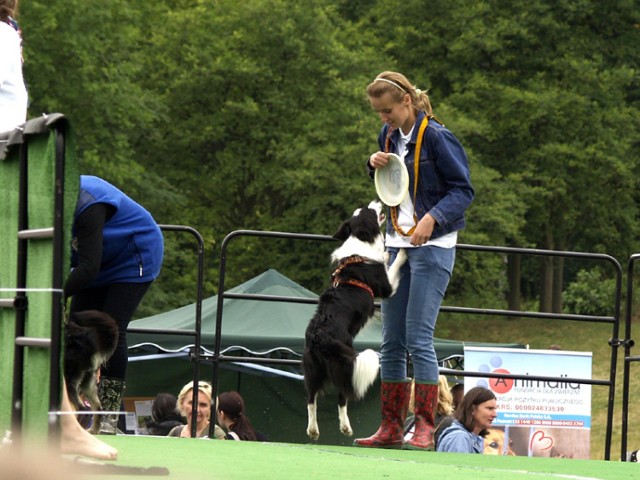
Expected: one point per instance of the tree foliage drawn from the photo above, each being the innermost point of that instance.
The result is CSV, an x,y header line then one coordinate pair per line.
x,y
228,115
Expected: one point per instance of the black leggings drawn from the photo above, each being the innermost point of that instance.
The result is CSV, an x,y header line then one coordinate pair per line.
x,y
119,300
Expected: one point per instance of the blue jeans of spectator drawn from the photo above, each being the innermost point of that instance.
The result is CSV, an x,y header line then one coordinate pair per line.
x,y
409,317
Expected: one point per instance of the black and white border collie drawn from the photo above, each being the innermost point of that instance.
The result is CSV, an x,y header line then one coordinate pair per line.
x,y
90,338
344,309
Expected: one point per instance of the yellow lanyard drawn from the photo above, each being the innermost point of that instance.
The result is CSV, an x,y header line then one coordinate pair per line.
x,y
416,169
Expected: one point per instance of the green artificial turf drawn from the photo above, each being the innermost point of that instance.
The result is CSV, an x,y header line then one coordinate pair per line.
x,y
215,459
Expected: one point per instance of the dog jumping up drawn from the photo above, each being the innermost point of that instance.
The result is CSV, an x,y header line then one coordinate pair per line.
x,y
344,309
90,339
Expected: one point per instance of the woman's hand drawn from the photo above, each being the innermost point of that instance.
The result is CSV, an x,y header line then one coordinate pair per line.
x,y
378,160
423,231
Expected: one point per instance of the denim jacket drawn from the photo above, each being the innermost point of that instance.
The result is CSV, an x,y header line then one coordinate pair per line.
x,y
444,184
458,439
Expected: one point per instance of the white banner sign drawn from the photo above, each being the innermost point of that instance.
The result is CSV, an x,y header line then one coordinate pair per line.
x,y
536,418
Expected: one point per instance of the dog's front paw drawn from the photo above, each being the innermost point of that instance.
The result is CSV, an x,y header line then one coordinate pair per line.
x,y
401,257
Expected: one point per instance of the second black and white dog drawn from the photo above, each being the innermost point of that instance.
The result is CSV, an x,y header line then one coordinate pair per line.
x,y
343,310
90,339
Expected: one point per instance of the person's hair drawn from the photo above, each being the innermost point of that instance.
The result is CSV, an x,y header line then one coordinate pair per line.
x,y
8,8
232,405
203,387
398,86
473,398
164,405
445,399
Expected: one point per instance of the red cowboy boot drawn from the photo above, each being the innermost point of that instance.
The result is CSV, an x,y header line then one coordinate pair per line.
x,y
395,403
426,403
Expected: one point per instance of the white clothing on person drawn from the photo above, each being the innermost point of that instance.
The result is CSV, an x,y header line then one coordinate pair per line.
x,y
13,92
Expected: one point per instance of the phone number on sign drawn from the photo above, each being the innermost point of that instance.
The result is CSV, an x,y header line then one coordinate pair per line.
x,y
530,408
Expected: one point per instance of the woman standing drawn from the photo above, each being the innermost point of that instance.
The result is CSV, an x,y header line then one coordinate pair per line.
x,y
13,93
472,418
426,225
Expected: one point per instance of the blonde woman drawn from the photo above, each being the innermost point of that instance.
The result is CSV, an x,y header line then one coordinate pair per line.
x,y
203,409
444,409
426,225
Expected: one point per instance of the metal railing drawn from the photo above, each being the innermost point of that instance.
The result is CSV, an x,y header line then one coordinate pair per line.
x,y
628,359
614,342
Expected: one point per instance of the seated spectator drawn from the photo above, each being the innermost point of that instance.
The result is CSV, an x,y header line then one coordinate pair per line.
x,y
457,392
164,415
203,409
233,418
444,409
472,418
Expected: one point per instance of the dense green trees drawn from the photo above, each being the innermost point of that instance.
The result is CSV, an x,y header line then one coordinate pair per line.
x,y
230,115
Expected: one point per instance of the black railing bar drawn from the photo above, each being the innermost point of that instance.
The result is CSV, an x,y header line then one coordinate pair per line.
x,y
198,329
464,310
627,360
154,331
271,298
260,233
259,360
540,378
524,251
537,252
528,314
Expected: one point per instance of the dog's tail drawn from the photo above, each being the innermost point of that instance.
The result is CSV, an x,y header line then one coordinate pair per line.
x,y
365,372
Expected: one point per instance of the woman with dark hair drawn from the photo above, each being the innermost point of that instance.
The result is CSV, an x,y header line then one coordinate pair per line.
x,y
164,415
472,418
233,418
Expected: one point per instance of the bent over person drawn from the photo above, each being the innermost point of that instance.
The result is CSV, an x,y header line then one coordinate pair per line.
x,y
117,252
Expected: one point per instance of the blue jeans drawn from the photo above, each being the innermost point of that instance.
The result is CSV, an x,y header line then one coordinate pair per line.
x,y
409,317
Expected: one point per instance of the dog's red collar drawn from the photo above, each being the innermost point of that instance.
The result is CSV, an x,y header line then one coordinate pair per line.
x,y
356,283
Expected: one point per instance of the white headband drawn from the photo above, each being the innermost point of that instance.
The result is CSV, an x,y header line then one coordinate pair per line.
x,y
391,82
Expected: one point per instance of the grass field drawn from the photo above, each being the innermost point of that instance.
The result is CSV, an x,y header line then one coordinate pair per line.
x,y
569,335
195,459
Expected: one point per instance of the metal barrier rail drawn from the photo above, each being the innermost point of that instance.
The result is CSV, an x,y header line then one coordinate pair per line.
x,y
628,359
614,320
197,332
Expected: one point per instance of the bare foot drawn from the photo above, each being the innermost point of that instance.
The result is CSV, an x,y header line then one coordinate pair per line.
x,y
76,440
81,442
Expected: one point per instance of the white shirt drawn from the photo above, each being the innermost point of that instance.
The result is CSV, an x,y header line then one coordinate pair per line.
x,y
405,212
13,93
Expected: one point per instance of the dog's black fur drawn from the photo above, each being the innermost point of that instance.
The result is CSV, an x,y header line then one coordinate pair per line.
x,y
343,310
90,339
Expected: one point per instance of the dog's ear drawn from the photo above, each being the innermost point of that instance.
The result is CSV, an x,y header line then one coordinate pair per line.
x,y
344,230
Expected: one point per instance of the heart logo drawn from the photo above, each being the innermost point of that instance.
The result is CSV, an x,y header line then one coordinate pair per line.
x,y
542,441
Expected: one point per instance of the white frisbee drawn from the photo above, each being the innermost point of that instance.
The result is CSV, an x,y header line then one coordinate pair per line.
x,y
392,181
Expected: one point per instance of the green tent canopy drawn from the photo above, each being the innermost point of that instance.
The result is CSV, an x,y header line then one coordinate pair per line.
x,y
259,326
274,393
